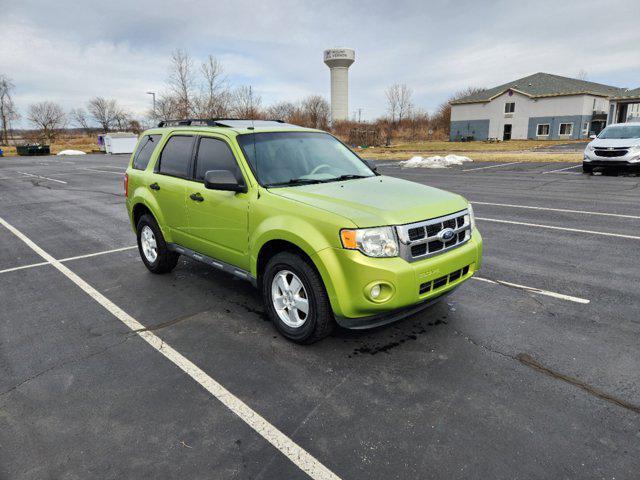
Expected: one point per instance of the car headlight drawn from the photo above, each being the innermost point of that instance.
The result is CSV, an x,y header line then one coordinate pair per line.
x,y
590,148
373,242
472,217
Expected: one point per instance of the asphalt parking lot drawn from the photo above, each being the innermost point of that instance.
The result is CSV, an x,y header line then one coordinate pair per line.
x,y
529,371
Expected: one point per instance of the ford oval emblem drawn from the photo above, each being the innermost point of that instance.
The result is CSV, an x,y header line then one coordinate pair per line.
x,y
446,234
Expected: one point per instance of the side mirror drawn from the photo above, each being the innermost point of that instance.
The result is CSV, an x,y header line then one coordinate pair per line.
x,y
592,137
371,165
223,180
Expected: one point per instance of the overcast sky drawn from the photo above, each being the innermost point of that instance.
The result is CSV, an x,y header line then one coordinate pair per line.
x,y
68,51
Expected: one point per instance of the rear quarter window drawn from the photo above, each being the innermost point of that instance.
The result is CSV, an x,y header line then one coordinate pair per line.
x,y
175,158
145,149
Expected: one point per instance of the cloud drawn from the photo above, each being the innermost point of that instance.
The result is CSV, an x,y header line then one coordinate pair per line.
x,y
69,51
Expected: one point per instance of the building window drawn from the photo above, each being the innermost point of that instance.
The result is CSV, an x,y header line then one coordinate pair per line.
x,y
543,130
566,129
509,107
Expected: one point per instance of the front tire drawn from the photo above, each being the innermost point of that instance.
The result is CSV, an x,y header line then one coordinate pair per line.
x,y
152,247
587,169
295,299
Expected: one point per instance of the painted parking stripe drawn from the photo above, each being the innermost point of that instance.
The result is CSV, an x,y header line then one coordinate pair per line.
x,y
103,171
23,267
40,176
539,291
295,453
563,170
490,166
89,255
566,229
564,210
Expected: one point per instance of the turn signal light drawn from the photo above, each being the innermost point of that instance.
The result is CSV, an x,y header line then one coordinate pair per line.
x,y
348,238
126,185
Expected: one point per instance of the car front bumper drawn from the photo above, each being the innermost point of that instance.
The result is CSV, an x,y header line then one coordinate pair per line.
x,y
349,276
630,162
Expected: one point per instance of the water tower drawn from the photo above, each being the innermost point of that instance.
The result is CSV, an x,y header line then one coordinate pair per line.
x,y
339,60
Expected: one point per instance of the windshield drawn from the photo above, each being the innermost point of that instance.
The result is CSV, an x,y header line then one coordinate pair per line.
x,y
620,132
289,158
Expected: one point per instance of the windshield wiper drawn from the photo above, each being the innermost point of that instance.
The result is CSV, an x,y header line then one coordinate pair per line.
x,y
295,181
350,176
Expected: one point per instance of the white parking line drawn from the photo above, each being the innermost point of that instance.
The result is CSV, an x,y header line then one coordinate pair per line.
x,y
563,169
586,212
491,166
40,176
295,453
103,171
39,264
114,166
566,229
22,267
89,255
547,293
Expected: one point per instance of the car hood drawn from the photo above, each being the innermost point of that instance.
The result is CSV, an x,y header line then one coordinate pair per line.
x,y
614,142
376,201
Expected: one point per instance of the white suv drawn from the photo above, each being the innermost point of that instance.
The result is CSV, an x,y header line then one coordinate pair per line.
x,y
616,147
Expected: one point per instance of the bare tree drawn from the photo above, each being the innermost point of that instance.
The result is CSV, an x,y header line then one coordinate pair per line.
x,y
399,105
441,120
399,102
214,98
166,108
181,82
582,74
49,117
80,118
104,112
245,103
316,111
8,111
286,111
122,119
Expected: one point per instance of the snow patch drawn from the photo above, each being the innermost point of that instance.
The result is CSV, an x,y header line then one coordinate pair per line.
x,y
71,152
435,162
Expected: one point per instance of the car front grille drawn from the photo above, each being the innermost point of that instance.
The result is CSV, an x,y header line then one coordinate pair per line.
x,y
427,238
612,152
442,281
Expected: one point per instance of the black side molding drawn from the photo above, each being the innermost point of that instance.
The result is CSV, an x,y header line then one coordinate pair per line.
x,y
225,267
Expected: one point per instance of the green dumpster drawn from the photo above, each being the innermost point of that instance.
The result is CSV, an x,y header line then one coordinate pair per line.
x,y
33,150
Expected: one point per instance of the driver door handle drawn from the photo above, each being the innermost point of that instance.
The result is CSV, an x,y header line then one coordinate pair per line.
x,y
154,186
196,197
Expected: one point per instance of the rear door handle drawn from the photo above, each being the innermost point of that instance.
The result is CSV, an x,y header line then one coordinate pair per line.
x,y
154,186
196,197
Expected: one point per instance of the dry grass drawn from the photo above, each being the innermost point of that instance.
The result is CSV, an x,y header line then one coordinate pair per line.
x,y
515,151
83,143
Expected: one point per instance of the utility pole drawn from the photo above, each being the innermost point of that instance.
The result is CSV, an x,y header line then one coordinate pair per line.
x,y
359,115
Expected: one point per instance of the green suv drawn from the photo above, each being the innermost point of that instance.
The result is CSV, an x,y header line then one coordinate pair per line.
x,y
316,229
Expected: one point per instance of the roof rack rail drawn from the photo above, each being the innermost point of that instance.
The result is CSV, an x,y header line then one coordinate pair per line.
x,y
208,122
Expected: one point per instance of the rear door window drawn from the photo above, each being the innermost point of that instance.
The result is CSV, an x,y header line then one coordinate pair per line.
x,y
214,154
175,159
145,149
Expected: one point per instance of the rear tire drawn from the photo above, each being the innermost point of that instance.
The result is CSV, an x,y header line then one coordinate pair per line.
x,y
152,247
285,299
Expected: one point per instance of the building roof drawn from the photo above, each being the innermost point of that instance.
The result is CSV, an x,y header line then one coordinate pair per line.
x,y
627,94
543,85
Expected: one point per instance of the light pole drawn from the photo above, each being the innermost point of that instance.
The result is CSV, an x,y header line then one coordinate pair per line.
x,y
153,94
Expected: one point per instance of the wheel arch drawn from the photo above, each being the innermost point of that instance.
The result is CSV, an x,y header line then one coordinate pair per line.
x,y
143,203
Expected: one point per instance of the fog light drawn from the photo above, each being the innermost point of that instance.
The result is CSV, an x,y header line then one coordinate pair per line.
x,y
375,291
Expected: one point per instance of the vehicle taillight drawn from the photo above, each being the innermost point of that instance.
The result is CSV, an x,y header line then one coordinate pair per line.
x,y
126,185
